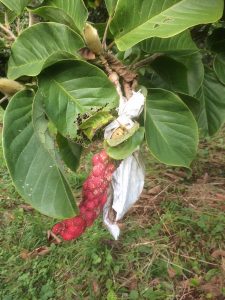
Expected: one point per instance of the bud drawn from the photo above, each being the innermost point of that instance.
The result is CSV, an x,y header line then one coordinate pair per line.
x,y
9,87
92,39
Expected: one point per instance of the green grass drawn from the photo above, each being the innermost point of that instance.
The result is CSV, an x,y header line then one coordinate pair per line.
x,y
164,252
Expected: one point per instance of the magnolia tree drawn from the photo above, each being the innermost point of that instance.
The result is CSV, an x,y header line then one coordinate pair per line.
x,y
68,74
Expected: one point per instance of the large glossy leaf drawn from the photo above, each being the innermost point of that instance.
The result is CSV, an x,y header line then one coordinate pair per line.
x,y
192,103
170,128
211,96
182,73
69,12
41,123
111,5
40,46
16,5
126,148
55,14
72,88
33,169
69,151
219,66
179,43
137,20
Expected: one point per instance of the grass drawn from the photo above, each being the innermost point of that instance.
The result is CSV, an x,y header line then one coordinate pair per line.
x,y
171,247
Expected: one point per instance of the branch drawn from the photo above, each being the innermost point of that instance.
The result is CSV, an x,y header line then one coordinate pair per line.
x,y
8,31
146,61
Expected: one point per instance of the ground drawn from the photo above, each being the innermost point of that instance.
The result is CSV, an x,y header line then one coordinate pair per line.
x,y
172,244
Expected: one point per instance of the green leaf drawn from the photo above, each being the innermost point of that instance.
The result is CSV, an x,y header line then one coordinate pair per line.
x,y
41,45
95,122
111,5
55,14
192,103
179,43
41,125
211,96
69,151
16,5
219,66
34,171
74,87
11,15
125,149
68,12
182,73
137,20
170,128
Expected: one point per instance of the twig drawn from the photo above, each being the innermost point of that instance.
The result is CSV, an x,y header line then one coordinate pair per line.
x,y
194,258
106,32
164,258
8,31
146,61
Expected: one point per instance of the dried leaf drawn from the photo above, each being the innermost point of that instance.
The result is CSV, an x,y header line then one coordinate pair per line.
x,y
220,196
223,264
8,217
154,282
26,207
25,254
40,251
53,238
213,287
96,288
171,272
172,176
218,253
206,178
155,190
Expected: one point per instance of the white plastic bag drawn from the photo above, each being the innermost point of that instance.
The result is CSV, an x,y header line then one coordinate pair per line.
x,y
128,179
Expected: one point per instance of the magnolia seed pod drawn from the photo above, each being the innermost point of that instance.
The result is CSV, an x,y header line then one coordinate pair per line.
x,y
9,87
92,39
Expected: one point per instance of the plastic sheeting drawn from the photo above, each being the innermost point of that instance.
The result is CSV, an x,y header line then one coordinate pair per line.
x,y
128,179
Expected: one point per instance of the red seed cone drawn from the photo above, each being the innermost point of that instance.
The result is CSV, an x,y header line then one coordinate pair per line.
x,y
89,217
57,228
94,192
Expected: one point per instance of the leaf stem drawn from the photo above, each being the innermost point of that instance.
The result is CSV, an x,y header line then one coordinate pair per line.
x,y
8,31
111,45
31,19
3,99
145,61
106,32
